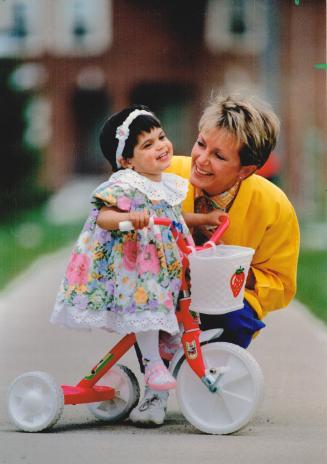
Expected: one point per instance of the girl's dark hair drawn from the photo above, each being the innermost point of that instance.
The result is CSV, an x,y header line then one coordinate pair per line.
x,y
108,140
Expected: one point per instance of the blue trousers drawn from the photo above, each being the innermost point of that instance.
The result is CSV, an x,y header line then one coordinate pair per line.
x,y
239,326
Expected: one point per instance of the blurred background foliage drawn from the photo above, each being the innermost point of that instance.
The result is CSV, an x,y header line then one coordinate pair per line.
x,y
27,236
25,230
20,161
312,278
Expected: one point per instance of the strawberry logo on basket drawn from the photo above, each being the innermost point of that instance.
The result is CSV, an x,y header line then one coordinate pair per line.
x,y
237,281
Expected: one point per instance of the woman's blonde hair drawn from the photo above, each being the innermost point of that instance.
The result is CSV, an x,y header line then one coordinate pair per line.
x,y
252,122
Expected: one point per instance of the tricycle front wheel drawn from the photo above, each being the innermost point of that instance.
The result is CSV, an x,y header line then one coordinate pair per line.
x,y
239,390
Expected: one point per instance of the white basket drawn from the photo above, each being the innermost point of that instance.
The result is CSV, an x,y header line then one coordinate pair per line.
x,y
218,277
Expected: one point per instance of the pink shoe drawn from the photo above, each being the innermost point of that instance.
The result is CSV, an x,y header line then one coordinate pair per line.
x,y
158,377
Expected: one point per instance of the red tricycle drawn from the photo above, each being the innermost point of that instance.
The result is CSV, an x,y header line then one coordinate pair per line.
x,y
219,384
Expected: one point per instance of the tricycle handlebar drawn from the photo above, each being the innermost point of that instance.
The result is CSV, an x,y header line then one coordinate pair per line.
x,y
218,233
126,226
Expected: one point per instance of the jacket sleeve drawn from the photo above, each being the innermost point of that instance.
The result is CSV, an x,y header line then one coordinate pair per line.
x,y
275,261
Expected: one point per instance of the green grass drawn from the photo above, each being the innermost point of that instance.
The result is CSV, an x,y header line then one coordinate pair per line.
x,y
312,282
28,236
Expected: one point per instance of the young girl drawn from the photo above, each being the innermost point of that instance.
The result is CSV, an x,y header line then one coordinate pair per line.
x,y
129,281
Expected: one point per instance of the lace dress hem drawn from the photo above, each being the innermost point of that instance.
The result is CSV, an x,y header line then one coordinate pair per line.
x,y
66,316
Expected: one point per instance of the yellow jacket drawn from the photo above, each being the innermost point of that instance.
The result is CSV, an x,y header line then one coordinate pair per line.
x,y
262,218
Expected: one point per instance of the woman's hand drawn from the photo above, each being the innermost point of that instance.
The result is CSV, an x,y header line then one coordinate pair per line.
x,y
250,281
214,218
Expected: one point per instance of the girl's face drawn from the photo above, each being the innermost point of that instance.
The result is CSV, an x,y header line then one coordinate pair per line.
x,y
216,164
152,154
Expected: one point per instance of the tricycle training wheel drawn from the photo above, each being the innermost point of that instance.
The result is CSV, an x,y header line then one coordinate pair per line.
x,y
127,395
35,401
239,390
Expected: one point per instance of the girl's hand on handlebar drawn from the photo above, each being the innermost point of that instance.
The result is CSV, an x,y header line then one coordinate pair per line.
x,y
139,219
110,218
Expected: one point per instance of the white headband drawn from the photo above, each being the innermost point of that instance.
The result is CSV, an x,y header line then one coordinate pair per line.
x,y
122,132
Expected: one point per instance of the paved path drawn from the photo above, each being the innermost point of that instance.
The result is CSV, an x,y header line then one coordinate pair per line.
x,y
290,427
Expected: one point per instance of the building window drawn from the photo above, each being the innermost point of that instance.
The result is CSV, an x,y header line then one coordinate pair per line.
x,y
238,26
81,27
21,32
61,27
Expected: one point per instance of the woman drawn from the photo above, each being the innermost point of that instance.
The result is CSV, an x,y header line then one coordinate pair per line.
x,y
236,137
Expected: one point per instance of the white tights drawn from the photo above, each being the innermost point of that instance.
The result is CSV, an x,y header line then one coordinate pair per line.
x,y
149,345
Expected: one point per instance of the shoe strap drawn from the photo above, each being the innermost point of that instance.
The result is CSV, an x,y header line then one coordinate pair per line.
x,y
157,368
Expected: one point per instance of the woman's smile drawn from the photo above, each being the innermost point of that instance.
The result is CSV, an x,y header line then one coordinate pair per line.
x,y
216,165
200,172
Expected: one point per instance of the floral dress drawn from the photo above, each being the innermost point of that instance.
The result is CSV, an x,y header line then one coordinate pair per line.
x,y
126,281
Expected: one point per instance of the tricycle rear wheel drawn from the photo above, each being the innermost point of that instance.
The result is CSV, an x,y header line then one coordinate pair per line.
x,y
35,401
127,395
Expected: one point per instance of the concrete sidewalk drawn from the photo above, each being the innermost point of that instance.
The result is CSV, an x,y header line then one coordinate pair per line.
x,y
290,427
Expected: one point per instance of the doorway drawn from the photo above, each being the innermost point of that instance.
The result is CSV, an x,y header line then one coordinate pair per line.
x,y
173,104
90,107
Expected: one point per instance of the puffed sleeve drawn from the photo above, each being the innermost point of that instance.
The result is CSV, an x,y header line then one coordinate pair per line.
x,y
112,194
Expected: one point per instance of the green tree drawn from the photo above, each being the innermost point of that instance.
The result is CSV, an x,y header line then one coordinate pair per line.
x,y
19,162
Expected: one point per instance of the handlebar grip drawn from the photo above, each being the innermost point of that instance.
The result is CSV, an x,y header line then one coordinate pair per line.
x,y
162,221
125,226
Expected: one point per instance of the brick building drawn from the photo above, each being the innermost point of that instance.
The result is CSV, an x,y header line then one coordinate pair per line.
x,y
92,58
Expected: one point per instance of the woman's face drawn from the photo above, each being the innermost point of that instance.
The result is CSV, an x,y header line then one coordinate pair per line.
x,y
216,165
